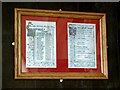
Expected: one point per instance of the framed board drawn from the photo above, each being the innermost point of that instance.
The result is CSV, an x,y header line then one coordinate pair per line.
x,y
60,45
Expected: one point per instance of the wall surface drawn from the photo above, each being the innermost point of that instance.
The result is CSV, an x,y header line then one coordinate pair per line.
x,y
113,27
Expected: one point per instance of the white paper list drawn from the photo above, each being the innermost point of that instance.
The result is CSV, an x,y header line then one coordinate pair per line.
x,y
81,45
40,44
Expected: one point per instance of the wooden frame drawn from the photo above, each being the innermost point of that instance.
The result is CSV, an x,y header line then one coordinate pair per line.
x,y
101,17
